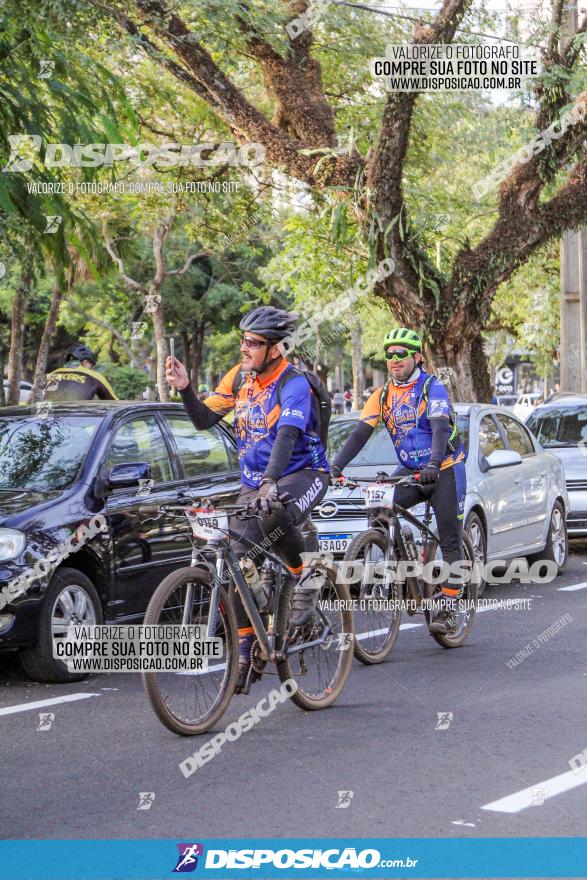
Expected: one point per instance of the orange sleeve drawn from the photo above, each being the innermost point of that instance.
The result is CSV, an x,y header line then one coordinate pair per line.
x,y
222,399
372,409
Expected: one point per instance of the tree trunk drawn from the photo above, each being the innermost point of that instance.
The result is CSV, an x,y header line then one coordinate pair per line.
x,y
113,355
186,350
155,306
462,365
197,351
358,369
43,353
17,337
2,394
316,364
338,369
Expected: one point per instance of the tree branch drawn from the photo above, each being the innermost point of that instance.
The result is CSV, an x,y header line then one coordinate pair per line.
x,y
571,48
519,232
130,282
245,120
103,324
296,84
551,54
385,170
188,263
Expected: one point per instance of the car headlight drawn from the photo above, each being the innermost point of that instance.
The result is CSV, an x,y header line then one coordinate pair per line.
x,y
12,543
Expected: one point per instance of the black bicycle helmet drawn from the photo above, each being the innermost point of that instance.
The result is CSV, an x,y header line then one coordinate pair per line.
x,y
272,323
80,353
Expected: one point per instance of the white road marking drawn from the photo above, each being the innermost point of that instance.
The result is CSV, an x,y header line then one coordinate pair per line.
x,y
216,668
462,822
40,704
364,635
521,800
573,588
380,632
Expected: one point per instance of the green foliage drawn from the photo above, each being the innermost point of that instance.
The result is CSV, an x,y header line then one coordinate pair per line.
x,y
127,383
526,311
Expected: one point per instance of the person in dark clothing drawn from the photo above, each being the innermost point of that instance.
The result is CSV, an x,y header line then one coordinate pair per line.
x,y
78,380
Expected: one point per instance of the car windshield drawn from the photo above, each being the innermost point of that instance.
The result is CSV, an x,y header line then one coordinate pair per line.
x,y
43,453
378,450
560,426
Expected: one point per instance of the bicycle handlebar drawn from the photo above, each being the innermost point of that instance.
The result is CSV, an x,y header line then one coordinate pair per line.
x,y
385,479
241,511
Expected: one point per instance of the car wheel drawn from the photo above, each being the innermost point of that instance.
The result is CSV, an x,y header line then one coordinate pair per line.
x,y
70,598
475,531
557,540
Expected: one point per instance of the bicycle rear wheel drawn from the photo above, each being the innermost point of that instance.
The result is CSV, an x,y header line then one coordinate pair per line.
x,y
377,620
321,669
190,703
470,599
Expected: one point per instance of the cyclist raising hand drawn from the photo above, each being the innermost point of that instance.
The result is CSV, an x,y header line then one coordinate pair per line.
x,y
280,453
415,408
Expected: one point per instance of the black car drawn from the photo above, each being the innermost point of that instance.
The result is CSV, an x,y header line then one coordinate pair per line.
x,y
61,465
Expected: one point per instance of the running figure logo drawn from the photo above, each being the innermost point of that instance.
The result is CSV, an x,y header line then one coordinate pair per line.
x,y
344,800
538,795
188,857
444,719
46,719
146,799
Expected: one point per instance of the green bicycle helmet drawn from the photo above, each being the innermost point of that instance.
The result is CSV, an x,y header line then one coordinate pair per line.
x,y
402,336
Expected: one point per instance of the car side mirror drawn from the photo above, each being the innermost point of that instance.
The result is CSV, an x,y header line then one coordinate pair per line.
x,y
126,476
500,458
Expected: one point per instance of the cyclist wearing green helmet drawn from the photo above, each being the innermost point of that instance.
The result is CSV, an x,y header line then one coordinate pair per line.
x,y
415,408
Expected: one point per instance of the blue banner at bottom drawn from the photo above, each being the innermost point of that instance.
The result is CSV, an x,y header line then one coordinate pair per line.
x,y
277,859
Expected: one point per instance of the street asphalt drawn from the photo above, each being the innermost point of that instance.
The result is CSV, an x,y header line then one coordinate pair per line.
x,y
498,767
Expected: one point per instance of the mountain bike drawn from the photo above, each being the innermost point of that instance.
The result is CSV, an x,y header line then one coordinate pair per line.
x,y
317,656
384,591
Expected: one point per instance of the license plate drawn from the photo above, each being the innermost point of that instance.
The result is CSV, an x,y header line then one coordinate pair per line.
x,y
209,525
334,543
379,496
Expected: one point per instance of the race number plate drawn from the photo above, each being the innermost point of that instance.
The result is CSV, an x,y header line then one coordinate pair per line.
x,y
209,525
379,496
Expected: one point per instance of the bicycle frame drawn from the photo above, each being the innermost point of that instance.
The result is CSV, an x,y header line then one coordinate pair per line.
x,y
225,558
386,518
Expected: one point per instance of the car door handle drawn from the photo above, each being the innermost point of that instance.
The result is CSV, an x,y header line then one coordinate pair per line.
x,y
517,481
542,473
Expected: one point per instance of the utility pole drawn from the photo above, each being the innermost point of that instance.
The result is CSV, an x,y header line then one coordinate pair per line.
x,y
573,278
573,336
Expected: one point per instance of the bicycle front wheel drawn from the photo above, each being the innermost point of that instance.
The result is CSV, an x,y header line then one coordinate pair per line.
x,y
378,614
187,702
319,655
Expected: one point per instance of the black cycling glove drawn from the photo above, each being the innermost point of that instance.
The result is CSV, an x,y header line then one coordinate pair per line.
x,y
429,473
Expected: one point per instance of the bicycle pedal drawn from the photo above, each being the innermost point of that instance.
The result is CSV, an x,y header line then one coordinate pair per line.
x,y
250,679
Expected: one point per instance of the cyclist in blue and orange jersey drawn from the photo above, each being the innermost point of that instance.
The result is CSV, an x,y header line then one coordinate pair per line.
x,y
415,408
280,452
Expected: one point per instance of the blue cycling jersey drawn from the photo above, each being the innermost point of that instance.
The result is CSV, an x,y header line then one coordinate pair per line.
x,y
406,413
258,415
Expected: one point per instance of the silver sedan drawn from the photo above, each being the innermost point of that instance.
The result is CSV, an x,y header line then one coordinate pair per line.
x,y
516,500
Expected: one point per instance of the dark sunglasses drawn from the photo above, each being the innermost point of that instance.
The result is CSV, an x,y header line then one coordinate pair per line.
x,y
402,355
251,343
